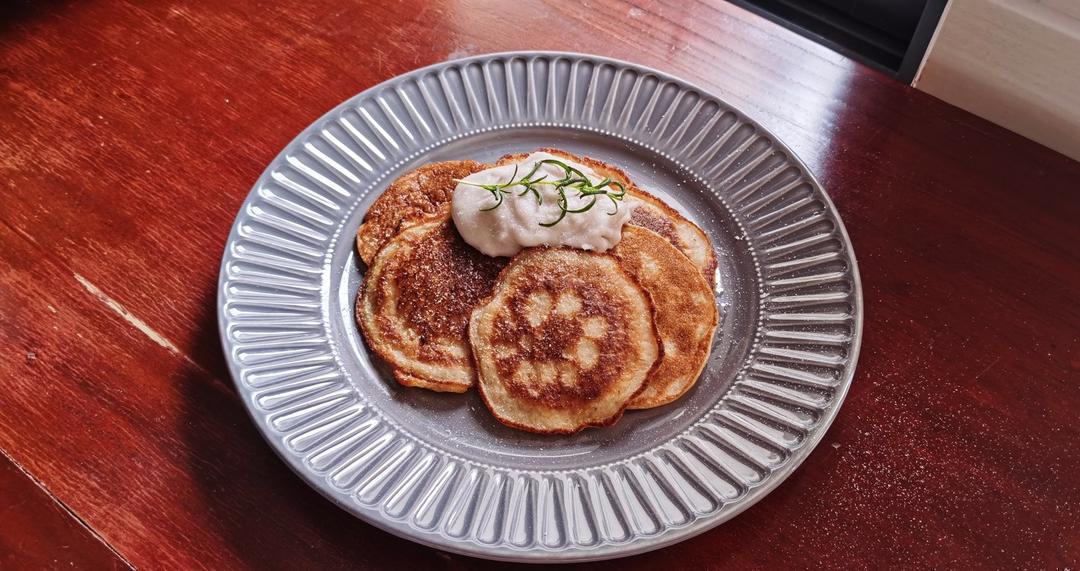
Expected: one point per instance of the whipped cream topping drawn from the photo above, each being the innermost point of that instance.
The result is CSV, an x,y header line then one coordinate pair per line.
x,y
518,222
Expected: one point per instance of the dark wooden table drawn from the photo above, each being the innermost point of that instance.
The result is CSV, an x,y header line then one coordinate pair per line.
x,y
131,131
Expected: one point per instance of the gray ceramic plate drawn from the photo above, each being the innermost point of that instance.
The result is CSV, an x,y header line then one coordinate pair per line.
x,y
437,468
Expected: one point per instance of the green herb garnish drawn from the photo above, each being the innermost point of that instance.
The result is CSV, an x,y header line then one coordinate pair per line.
x,y
572,179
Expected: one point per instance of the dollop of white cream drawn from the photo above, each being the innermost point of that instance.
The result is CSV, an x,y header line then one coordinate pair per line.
x,y
516,223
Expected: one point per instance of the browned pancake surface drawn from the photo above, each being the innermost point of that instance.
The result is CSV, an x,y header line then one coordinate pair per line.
x,y
685,312
414,196
565,341
416,301
656,215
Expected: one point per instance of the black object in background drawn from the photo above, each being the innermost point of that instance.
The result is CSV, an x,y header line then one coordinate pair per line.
x,y
891,35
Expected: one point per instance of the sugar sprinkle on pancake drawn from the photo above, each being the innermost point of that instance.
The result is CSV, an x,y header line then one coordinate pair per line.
x,y
414,196
684,312
565,341
654,214
416,300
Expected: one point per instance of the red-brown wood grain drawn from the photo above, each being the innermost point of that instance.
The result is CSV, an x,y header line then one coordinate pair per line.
x,y
37,532
130,133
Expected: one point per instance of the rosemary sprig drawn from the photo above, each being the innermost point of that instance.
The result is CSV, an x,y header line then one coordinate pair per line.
x,y
572,179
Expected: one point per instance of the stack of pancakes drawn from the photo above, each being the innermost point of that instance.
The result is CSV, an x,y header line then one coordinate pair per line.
x,y
556,339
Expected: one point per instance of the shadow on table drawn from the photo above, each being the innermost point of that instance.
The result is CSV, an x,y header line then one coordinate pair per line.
x,y
19,11
265,516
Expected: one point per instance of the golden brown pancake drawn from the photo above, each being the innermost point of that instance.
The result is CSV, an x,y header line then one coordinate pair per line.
x,y
564,342
656,215
414,196
651,213
416,300
684,312
421,192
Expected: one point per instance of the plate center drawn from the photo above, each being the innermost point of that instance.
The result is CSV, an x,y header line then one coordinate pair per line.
x,y
461,424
